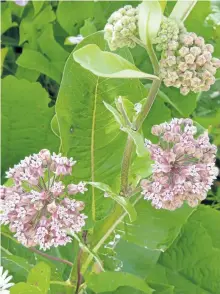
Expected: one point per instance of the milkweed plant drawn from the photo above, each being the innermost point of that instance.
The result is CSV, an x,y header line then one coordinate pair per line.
x,y
116,208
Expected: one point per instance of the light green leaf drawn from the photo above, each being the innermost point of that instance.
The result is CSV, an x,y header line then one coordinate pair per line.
x,y
6,19
40,276
37,6
91,135
106,64
150,17
34,60
88,28
32,26
17,266
155,229
182,9
162,288
191,264
115,113
138,140
17,134
110,281
23,288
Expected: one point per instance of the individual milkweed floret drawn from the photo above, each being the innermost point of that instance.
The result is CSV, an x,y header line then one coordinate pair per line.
x,y
122,27
184,165
37,207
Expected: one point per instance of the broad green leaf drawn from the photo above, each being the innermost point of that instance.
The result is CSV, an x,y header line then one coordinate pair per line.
x,y
162,288
32,26
91,135
27,74
71,15
153,228
150,17
23,288
26,127
39,276
34,60
134,259
49,47
110,281
182,9
138,141
185,104
17,266
6,19
37,6
88,28
191,264
107,64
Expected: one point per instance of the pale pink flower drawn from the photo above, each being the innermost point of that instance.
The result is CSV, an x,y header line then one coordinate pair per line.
x,y
36,207
184,167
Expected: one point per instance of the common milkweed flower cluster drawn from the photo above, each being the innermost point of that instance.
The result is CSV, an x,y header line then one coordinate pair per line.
x,y
122,27
37,207
4,281
187,62
184,165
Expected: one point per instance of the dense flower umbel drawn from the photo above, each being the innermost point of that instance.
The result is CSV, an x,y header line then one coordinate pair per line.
x,y
187,62
184,167
122,26
37,207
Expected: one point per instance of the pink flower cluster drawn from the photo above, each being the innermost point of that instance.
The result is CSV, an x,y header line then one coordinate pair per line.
x,y
36,206
184,167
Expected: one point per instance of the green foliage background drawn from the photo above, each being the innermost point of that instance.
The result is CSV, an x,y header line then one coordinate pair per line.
x,y
50,101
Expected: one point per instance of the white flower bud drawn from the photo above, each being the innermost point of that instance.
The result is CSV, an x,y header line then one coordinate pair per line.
x,y
182,66
216,62
201,60
195,50
184,90
209,48
189,58
183,51
199,41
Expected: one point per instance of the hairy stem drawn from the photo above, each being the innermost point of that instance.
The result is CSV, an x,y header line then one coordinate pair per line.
x,y
51,257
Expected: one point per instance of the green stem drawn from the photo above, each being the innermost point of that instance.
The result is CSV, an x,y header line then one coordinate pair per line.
x,y
125,166
148,104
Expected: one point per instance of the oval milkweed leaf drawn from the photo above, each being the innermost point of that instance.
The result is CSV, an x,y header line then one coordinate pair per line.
x,y
107,64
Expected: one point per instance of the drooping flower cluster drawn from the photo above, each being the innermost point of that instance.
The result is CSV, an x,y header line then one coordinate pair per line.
x,y
37,207
122,27
184,165
187,62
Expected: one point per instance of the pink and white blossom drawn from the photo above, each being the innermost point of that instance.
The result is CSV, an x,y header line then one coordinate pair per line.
x,y
184,165
37,208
